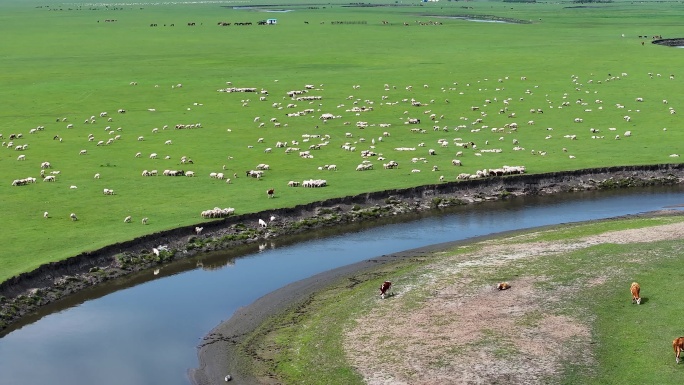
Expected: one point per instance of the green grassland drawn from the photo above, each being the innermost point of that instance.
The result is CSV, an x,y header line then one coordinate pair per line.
x,y
66,61
630,343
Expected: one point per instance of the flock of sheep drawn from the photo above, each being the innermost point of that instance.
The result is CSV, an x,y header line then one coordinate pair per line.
x,y
484,130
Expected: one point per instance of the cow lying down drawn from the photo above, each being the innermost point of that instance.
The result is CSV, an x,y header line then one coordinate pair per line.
x,y
503,286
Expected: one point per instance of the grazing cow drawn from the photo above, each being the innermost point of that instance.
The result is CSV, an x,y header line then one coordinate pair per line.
x,y
384,288
635,289
503,286
270,192
678,346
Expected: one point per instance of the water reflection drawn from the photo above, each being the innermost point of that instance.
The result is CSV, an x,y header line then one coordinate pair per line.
x,y
144,329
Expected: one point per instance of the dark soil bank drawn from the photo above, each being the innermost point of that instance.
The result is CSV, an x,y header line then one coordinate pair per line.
x,y
23,294
678,42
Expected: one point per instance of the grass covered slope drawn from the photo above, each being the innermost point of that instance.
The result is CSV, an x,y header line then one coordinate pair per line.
x,y
67,61
568,317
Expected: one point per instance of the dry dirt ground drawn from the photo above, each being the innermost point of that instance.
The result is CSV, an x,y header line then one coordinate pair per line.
x,y
454,333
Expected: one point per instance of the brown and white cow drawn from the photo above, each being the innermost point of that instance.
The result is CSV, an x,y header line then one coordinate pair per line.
x,y
503,286
384,288
635,289
678,346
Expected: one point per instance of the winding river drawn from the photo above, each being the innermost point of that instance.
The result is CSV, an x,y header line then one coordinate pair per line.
x,y
145,329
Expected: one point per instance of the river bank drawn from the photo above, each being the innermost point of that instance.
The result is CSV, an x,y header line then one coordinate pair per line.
x,y
245,350
23,294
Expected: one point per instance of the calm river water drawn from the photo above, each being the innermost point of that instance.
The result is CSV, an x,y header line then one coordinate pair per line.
x,y
145,329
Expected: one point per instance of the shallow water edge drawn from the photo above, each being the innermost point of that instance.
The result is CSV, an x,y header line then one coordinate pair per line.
x,y
24,294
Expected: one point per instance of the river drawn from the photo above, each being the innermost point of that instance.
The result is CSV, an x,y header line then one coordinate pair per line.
x,y
145,329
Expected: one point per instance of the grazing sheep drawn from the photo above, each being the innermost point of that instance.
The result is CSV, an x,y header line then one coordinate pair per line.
x,y
503,286
127,219
198,230
73,217
153,155
270,192
83,152
21,157
108,191
97,176
144,221
46,215
168,142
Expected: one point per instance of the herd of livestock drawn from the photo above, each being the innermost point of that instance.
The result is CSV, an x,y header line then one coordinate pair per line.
x,y
420,118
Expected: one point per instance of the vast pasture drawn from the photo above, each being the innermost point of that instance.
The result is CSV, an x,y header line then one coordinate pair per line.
x,y
65,64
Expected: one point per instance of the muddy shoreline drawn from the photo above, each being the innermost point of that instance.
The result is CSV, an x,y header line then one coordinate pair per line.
x,y
23,294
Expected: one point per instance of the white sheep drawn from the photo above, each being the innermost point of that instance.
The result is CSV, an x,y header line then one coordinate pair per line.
x,y
198,230
168,142
127,219
97,176
144,221
46,215
83,152
262,223
72,216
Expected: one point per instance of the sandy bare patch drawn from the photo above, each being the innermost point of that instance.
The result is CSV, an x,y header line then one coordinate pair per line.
x,y
465,334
